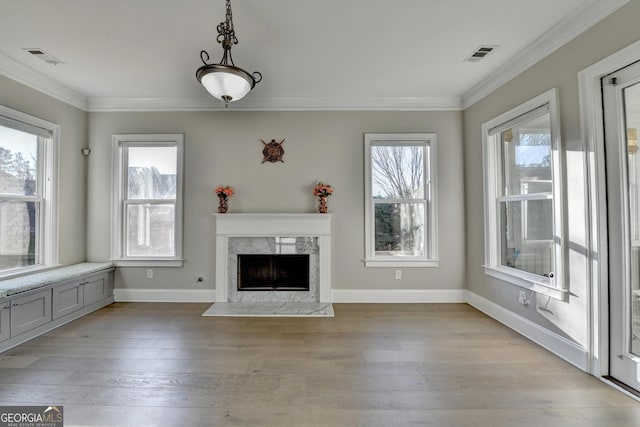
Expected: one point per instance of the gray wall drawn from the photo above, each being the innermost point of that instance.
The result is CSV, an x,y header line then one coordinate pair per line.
x,y
560,70
73,165
225,148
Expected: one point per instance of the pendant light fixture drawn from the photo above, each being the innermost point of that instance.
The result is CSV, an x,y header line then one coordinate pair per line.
x,y
225,81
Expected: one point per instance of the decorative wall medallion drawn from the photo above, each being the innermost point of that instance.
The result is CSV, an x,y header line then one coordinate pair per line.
x,y
273,151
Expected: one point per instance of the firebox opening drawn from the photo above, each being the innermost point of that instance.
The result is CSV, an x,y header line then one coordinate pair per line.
x,y
273,272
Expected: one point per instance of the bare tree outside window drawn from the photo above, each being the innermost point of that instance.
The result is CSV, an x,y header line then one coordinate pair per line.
x,y
398,190
398,172
19,216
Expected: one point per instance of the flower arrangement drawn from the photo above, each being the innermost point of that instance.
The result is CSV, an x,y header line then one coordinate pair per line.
x,y
322,190
224,192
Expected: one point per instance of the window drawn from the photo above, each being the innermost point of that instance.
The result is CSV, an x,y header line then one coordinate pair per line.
x,y
523,217
400,217
28,226
147,205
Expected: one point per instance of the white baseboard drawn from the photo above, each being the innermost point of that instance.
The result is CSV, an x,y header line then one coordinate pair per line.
x,y
399,295
164,295
558,345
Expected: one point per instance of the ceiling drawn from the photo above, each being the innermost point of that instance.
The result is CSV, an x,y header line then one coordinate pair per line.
x,y
313,54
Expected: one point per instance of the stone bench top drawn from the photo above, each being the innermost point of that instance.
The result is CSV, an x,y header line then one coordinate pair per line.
x,y
16,285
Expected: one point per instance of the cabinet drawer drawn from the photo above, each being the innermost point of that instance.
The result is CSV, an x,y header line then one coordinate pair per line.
x,y
67,299
95,289
5,318
30,311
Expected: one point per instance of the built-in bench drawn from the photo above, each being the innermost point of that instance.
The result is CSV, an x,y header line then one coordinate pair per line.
x,y
34,304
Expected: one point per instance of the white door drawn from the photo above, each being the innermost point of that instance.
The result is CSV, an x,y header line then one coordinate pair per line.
x,y
621,97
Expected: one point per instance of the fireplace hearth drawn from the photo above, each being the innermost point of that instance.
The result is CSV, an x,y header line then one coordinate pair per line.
x,y
273,272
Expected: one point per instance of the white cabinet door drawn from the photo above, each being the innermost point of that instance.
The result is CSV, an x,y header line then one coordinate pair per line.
x,y
30,311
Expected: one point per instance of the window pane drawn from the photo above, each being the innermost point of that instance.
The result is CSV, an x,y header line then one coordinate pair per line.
x,y
19,228
399,229
150,230
18,162
526,157
152,172
527,236
397,172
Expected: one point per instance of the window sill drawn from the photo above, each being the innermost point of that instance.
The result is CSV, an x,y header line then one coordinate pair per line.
x,y
428,263
526,282
149,262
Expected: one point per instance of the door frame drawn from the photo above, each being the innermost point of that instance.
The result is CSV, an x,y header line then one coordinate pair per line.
x,y
592,133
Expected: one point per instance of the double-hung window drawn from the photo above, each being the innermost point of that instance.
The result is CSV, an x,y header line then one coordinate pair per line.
x,y
28,165
523,215
147,201
400,212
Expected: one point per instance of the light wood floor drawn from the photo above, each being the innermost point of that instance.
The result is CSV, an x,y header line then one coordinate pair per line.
x,y
372,365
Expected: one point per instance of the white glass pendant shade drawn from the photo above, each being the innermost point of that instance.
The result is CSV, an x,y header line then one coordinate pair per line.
x,y
225,82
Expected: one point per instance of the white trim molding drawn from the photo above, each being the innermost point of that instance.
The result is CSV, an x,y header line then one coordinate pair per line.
x,y
580,20
556,344
442,103
164,295
35,80
399,295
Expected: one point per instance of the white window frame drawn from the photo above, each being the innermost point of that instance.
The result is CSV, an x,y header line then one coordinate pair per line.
x,y
118,239
47,194
428,140
552,286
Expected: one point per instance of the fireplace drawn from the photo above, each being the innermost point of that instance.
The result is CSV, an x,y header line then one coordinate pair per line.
x,y
273,272
282,235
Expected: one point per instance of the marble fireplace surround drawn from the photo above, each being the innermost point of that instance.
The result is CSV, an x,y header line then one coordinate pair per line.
x,y
246,225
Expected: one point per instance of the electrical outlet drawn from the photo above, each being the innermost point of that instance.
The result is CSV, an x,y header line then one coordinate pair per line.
x,y
522,298
398,274
149,274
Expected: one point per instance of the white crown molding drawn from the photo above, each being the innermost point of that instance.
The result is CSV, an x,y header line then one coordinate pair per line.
x,y
35,80
453,103
569,28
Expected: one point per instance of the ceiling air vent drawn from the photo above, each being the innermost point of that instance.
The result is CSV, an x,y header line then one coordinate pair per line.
x,y
480,53
42,55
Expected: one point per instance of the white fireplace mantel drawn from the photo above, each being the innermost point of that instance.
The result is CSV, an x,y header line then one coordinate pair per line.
x,y
272,224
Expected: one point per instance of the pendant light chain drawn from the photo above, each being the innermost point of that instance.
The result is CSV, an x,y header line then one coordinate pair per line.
x,y
225,81
227,35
